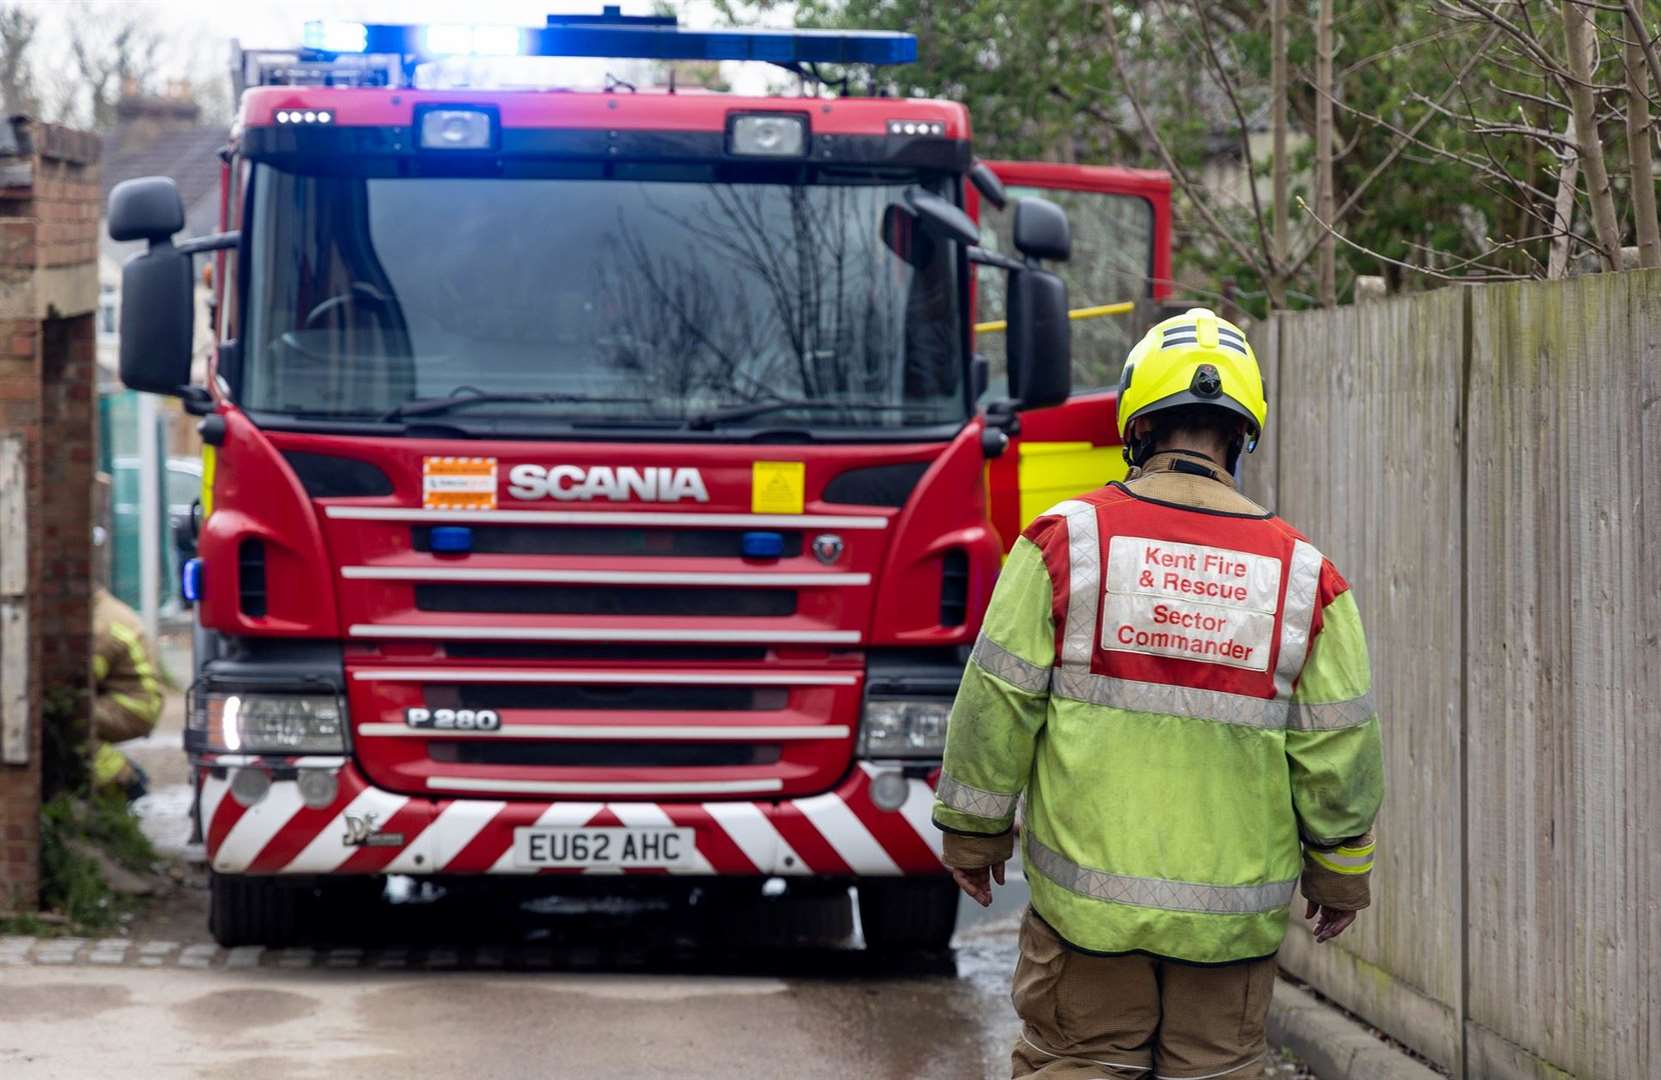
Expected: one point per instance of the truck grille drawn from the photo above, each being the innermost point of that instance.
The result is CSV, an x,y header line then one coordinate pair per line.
x,y
602,755
605,600
551,650
608,697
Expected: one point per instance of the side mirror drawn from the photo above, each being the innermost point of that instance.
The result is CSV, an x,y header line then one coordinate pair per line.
x,y
1041,230
157,319
1039,339
148,208
942,218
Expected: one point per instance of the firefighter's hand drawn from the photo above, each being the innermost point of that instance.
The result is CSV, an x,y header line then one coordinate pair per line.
x,y
1331,923
975,884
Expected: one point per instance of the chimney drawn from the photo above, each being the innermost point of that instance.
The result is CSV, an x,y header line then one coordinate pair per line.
x,y
152,114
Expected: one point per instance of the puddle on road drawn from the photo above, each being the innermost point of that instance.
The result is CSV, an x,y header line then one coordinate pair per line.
x,y
164,817
237,1009
63,1001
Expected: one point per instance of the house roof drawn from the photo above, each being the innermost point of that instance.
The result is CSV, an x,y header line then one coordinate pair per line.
x,y
187,154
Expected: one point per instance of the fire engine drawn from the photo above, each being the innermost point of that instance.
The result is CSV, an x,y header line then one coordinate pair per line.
x,y
606,482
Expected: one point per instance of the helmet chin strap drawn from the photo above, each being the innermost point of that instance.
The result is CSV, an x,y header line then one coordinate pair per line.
x,y
1137,450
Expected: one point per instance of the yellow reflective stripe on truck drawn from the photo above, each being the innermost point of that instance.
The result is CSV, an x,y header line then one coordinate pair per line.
x,y
208,459
998,326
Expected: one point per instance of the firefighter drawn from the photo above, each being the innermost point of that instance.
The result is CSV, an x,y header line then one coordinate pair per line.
x,y
1177,682
127,697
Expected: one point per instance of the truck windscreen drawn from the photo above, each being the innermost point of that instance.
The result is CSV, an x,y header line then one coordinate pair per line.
x,y
599,303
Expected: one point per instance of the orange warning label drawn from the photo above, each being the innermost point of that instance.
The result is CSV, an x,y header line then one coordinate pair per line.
x,y
458,483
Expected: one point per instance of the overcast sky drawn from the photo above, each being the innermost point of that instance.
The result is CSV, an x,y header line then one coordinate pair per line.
x,y
199,31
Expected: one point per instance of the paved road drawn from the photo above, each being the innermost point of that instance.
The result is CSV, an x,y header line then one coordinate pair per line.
x,y
466,987
583,1000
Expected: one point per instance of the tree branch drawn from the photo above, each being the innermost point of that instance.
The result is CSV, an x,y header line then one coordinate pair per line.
x,y
1381,257
1189,187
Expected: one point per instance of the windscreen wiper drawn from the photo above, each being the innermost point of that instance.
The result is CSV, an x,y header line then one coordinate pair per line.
x,y
704,421
442,405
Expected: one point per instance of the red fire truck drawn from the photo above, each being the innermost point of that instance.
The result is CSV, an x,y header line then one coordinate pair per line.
x,y
606,482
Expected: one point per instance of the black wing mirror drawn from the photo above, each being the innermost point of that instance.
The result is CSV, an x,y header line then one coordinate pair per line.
x,y
156,316
157,291
1041,230
1040,339
148,208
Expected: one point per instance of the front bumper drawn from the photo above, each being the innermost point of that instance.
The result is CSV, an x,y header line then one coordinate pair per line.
x,y
366,830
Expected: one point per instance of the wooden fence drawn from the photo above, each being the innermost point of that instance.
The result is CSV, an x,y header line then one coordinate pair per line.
x,y
1484,464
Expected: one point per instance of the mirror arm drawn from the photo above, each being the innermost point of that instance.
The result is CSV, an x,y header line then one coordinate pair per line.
x,y
1002,414
197,401
211,242
992,258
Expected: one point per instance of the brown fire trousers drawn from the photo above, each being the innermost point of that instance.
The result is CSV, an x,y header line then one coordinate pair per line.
x,y
1136,1016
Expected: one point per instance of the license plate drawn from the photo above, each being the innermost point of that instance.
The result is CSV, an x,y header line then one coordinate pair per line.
x,y
619,848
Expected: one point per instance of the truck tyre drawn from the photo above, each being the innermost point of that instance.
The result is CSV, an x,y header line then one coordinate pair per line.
x,y
908,914
252,910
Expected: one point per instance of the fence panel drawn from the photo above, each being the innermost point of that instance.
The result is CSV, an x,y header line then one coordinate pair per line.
x,y
1564,705
1368,467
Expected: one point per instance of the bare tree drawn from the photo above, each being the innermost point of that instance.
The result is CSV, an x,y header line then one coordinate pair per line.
x,y
1277,123
1638,141
115,49
17,34
1562,209
1325,200
1577,39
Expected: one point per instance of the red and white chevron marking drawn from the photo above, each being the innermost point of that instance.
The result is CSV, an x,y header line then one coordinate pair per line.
x,y
841,832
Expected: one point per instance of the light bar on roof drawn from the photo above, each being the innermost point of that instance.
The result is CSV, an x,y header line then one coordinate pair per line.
x,y
452,39
619,39
336,37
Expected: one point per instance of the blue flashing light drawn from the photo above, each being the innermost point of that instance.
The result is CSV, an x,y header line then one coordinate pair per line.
x,y
461,39
335,37
190,581
450,539
618,38
761,545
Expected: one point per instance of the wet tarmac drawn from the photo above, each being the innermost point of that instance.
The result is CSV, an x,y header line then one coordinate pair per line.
x,y
440,983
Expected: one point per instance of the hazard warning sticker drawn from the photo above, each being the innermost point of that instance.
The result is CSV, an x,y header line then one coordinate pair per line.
x,y
777,487
458,483
1210,604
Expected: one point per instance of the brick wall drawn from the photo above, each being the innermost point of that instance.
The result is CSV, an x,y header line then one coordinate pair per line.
x,y
49,210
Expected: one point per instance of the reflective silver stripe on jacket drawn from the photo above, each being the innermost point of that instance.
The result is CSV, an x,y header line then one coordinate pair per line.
x,y
1331,715
1084,583
997,660
967,799
1168,700
1303,580
1155,893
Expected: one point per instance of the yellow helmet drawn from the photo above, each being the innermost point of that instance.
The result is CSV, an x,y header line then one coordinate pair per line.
x,y
1192,359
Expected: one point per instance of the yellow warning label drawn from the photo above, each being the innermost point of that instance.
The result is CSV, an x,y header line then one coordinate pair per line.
x,y
458,483
776,487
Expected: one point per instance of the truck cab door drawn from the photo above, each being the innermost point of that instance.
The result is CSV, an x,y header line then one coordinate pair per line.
x,y
1121,262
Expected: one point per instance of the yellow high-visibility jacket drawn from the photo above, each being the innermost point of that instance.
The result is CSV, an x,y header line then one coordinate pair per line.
x,y
1178,683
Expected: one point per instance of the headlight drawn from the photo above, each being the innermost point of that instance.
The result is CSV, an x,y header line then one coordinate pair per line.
x,y
262,723
457,129
904,727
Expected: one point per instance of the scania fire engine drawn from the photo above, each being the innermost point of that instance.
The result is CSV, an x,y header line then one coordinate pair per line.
x,y
606,482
